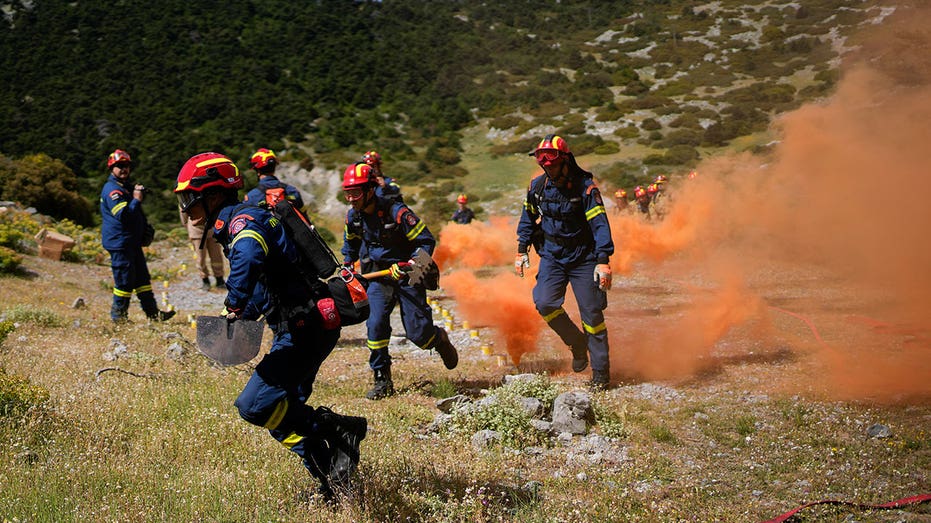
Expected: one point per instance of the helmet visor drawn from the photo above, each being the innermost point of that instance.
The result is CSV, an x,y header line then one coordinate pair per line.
x,y
546,155
354,194
187,199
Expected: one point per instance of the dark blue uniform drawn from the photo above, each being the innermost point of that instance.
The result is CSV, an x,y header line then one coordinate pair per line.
x,y
269,181
388,236
121,234
391,189
263,278
575,237
463,216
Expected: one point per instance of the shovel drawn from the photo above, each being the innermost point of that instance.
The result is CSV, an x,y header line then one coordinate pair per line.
x,y
228,343
420,266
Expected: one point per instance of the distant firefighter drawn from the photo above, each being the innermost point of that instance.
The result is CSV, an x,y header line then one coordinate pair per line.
x,y
620,201
643,200
463,214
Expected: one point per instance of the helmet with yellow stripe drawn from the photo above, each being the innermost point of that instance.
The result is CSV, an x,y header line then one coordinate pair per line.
x,y
204,173
263,161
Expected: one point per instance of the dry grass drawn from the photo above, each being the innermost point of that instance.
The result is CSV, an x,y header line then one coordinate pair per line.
x,y
166,444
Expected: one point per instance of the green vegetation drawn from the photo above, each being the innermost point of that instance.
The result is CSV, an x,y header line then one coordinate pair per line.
x,y
165,80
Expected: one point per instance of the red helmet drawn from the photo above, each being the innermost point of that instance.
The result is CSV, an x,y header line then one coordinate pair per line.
x,y
652,188
639,192
357,178
372,158
118,156
263,159
661,179
620,193
206,171
550,148
462,199
693,175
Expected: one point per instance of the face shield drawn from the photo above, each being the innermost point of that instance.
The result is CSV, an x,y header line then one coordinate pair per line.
x,y
187,199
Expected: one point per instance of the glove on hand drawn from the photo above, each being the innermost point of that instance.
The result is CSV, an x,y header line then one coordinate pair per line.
x,y
603,276
231,315
520,262
399,271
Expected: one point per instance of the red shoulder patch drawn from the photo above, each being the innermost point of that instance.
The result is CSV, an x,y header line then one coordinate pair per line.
x,y
410,219
238,223
596,195
115,194
218,225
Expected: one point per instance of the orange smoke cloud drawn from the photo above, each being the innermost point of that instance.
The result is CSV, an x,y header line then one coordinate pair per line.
x,y
477,244
502,302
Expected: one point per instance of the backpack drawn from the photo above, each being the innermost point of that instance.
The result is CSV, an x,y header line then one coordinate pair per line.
x,y
273,195
319,267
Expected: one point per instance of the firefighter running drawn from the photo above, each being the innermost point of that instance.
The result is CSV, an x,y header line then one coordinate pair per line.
x,y
383,233
264,277
564,219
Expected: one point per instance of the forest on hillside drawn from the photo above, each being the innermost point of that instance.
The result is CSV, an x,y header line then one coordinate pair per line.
x,y
165,80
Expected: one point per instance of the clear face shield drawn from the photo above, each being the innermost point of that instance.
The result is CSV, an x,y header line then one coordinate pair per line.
x,y
188,199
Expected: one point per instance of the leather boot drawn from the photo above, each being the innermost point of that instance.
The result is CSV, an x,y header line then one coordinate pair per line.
x,y
221,284
384,387
343,435
162,315
445,349
601,380
205,284
579,358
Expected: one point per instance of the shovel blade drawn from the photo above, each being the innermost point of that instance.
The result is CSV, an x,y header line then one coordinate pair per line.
x,y
228,343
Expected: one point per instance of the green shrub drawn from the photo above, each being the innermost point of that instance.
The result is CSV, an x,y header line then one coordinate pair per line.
x,y
34,315
9,260
6,327
607,148
18,396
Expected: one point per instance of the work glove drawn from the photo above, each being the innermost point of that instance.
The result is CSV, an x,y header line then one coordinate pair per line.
x,y
520,262
399,270
231,314
603,276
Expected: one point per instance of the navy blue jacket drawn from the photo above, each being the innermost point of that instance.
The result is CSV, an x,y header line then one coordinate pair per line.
x,y
123,221
257,195
389,235
573,220
262,259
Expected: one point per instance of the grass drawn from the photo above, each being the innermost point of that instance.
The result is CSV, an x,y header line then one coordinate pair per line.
x,y
166,444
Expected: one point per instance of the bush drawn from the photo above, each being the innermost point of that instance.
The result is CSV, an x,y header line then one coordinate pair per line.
x,y
50,186
18,396
9,260
34,315
6,327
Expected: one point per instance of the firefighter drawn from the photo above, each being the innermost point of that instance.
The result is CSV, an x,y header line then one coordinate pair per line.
x,y
463,214
205,246
382,233
270,189
387,187
122,230
659,197
564,219
263,275
620,201
643,200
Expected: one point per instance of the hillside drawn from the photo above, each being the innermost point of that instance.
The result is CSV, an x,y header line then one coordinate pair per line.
x,y
769,332
647,87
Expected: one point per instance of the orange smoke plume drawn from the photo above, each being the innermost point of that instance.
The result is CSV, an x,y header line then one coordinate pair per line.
x,y
477,244
502,302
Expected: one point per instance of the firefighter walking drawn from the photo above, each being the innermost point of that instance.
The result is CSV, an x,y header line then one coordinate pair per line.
x,y
564,219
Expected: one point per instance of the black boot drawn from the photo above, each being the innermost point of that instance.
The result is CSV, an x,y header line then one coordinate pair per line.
x,y
343,434
220,283
162,315
205,284
601,380
384,387
579,358
445,349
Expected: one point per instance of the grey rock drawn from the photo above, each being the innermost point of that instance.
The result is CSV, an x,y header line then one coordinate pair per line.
x,y
175,351
448,405
483,439
543,426
571,412
439,422
878,430
519,377
532,406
